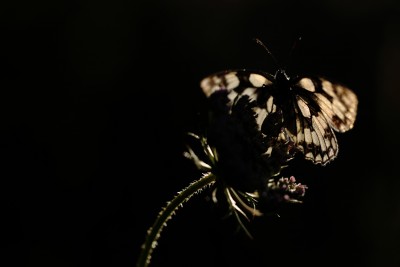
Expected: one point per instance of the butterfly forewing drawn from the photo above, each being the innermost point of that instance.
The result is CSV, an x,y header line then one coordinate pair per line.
x,y
235,82
337,102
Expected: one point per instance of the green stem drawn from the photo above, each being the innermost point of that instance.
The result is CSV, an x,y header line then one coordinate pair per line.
x,y
153,234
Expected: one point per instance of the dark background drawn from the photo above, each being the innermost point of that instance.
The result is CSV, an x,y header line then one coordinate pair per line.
x,y
95,101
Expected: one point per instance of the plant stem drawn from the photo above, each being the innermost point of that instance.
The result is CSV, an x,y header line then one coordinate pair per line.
x,y
166,213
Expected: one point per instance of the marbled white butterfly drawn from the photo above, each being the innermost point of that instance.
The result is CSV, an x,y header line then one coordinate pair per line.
x,y
304,110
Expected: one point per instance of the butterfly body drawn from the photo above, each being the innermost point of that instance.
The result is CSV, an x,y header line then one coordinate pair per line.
x,y
303,109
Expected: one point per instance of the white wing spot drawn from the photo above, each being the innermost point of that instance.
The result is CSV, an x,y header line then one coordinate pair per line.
x,y
331,153
337,112
232,95
305,110
258,80
350,100
327,142
339,89
282,136
339,105
325,158
307,84
298,124
307,135
212,84
319,130
270,102
300,137
324,100
261,115
315,138
207,85
300,147
269,151
310,155
251,92
232,81
318,158
323,122
328,88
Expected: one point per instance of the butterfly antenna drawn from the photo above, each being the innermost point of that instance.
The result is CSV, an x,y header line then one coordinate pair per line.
x,y
258,41
295,43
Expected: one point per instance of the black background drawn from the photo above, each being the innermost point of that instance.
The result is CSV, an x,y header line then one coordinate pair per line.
x,y
95,101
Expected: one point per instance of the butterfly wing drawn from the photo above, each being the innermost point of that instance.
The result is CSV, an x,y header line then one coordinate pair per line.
x,y
254,84
322,106
337,102
236,83
314,137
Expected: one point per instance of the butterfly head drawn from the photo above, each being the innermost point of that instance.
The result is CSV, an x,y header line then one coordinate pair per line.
x,y
281,77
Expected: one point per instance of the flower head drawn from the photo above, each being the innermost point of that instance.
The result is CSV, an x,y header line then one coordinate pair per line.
x,y
246,162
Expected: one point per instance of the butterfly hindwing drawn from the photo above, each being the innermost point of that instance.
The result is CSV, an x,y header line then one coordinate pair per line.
x,y
315,138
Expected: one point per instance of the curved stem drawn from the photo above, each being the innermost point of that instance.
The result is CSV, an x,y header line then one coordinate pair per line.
x,y
166,213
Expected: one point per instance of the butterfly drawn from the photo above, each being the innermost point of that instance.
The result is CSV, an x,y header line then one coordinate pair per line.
x,y
305,110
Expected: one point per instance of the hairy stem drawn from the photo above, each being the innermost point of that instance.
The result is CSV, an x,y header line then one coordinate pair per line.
x,y
166,213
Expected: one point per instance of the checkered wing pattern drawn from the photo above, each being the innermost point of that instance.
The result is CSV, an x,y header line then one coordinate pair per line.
x,y
304,110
